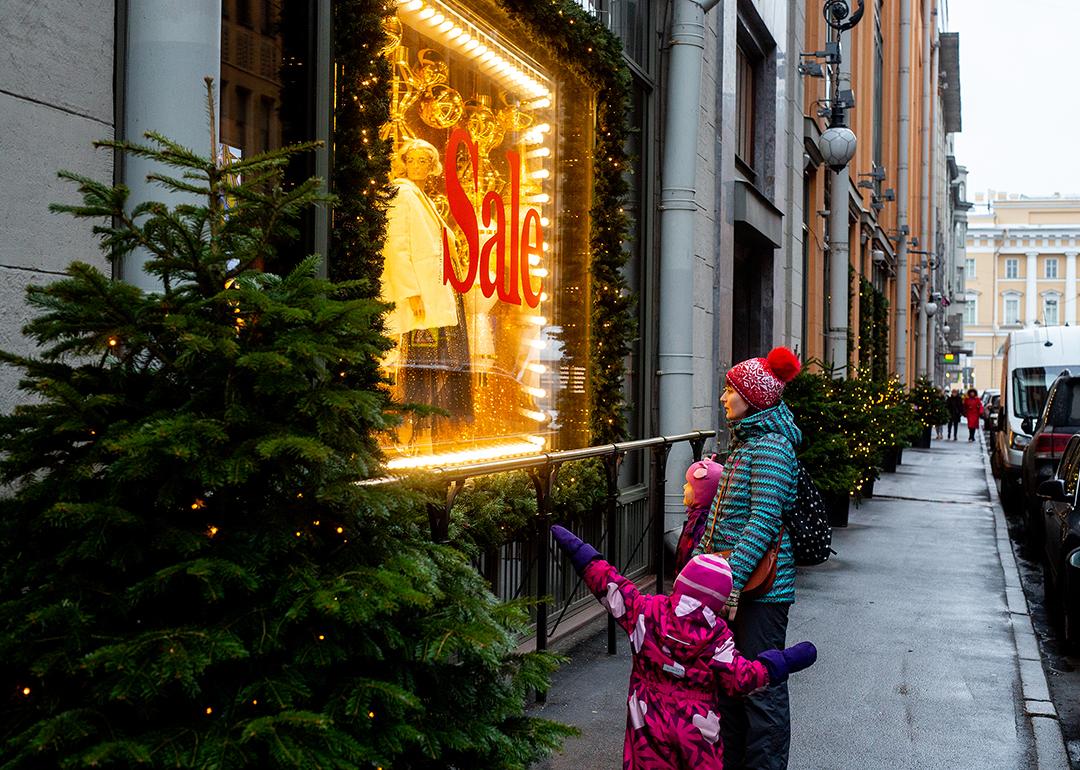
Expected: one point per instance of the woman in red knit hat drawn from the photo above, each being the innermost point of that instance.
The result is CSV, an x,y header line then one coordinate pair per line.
x,y
745,524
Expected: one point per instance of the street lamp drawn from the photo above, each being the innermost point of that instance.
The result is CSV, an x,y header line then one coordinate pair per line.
x,y
837,145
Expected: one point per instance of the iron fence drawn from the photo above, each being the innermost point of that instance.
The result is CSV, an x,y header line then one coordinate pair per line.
x,y
629,528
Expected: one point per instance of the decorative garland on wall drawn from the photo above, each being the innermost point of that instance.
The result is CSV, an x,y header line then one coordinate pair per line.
x,y
361,166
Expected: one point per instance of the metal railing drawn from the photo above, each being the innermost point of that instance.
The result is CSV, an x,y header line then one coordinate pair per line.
x,y
524,567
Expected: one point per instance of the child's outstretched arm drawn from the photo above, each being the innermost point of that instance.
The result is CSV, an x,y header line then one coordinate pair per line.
x,y
789,660
738,675
617,593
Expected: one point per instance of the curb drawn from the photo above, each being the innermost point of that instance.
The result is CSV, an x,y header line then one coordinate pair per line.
x,y
1050,753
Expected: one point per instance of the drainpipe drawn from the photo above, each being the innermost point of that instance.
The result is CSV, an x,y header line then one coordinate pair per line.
x,y
678,210
924,275
171,46
903,291
934,323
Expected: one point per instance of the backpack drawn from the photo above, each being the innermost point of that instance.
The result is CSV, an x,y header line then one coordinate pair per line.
x,y
807,522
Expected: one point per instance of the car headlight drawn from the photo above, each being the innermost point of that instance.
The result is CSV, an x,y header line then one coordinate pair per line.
x,y
1019,441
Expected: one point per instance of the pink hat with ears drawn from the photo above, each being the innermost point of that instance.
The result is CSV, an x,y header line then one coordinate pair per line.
x,y
704,477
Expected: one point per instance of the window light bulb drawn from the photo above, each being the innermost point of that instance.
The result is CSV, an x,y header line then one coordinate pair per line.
x,y
436,20
426,13
414,5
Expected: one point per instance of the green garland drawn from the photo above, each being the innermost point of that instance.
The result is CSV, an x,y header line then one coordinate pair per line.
x,y
362,162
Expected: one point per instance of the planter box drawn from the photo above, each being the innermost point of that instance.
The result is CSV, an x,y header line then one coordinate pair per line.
x,y
899,455
838,504
891,459
868,489
923,441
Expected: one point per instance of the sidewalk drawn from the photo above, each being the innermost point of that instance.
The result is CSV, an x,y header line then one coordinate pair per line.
x,y
914,621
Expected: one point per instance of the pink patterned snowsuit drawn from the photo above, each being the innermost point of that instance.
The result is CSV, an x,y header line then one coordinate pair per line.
x,y
683,654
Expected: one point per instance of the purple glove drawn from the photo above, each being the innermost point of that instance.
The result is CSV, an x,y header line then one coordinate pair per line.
x,y
580,552
780,663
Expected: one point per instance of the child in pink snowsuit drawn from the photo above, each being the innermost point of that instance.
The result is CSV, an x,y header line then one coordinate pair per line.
x,y
683,654
702,479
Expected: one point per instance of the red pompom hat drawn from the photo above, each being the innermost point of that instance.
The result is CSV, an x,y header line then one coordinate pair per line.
x,y
761,381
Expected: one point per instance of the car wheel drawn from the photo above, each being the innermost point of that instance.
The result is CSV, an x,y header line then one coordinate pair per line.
x,y
1070,603
1012,496
1052,600
1033,533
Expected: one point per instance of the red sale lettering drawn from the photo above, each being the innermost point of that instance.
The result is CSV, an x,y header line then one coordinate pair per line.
x,y
511,271
530,246
497,242
461,208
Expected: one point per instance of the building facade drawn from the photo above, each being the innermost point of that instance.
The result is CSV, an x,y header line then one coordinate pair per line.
x,y
1020,273
729,200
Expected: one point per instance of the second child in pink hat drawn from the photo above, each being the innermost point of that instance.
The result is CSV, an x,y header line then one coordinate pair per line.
x,y
702,479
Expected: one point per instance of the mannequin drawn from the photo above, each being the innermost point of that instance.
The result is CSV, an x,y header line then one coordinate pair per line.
x,y
428,318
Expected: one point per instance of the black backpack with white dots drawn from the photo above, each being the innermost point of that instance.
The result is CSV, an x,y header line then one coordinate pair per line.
x,y
807,522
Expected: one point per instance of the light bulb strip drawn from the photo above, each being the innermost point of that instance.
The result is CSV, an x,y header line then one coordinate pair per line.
x,y
440,21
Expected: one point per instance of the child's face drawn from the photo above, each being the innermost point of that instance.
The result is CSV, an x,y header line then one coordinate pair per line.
x,y
687,494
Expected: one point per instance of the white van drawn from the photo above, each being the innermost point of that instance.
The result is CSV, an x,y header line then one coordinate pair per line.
x,y
1031,359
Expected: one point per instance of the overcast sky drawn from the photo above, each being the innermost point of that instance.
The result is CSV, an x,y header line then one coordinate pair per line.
x,y
1019,65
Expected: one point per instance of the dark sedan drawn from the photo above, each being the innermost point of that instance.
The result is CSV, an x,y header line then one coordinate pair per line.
x,y
1061,544
1058,422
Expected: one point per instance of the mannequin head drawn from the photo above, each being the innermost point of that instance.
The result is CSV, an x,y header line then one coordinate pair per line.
x,y
416,160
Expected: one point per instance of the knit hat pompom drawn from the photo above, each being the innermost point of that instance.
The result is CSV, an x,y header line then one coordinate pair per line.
x,y
783,363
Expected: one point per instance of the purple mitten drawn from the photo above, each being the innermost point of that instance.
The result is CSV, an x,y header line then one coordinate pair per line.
x,y
783,662
580,552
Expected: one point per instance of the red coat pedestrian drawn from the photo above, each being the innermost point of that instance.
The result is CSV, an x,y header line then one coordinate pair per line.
x,y
973,410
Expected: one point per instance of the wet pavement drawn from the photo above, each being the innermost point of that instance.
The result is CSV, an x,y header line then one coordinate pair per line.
x,y
917,668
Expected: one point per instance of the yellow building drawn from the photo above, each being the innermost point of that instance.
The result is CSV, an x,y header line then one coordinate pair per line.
x,y
1020,272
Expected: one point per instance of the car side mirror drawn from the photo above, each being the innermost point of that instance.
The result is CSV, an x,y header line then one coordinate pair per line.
x,y
1027,426
1053,489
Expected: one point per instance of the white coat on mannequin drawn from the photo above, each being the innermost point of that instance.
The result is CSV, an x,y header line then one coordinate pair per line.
x,y
413,263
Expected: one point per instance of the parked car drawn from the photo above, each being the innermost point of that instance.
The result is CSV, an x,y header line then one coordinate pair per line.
x,y
988,397
993,413
1031,359
1061,544
1059,421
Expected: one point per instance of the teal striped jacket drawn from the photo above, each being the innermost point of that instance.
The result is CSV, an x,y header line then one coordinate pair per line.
x,y
758,485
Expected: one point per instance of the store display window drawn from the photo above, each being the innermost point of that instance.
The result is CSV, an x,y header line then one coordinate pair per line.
x,y
486,258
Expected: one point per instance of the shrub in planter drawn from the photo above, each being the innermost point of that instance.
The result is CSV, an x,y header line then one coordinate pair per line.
x,y
815,400
928,403
862,422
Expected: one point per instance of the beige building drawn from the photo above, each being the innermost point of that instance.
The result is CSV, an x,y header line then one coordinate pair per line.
x,y
1020,272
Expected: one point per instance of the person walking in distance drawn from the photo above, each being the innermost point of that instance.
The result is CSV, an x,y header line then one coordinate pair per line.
x,y
745,522
954,404
973,410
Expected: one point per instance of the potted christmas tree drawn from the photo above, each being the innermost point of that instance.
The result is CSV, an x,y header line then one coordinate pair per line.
x,y
814,399
191,576
928,404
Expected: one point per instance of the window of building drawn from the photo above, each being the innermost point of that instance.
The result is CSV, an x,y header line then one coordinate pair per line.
x,y
971,310
1050,269
243,12
969,267
1050,310
1012,309
744,107
1012,268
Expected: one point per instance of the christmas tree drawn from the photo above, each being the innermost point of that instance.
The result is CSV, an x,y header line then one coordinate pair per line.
x,y
191,574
